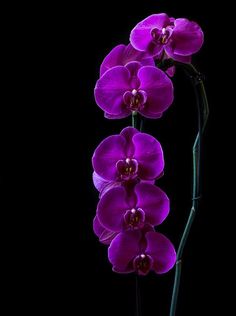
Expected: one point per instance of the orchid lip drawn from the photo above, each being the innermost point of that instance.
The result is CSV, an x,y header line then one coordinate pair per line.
x,y
143,264
162,36
127,169
135,99
134,218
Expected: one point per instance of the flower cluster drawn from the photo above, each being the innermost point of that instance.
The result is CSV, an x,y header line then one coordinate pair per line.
x,y
130,205
127,165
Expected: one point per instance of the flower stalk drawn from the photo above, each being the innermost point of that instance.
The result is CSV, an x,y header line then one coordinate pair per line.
x,y
203,112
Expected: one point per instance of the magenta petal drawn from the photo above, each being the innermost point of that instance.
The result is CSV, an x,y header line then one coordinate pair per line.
x,y
149,154
99,182
97,227
133,67
161,250
110,88
128,134
159,89
105,236
114,58
124,114
141,37
148,62
106,156
131,54
187,37
103,185
153,201
121,55
148,181
111,209
180,58
124,247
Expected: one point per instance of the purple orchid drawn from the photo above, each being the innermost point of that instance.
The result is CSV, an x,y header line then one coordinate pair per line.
x,y
134,88
160,35
105,236
141,251
122,55
128,156
119,209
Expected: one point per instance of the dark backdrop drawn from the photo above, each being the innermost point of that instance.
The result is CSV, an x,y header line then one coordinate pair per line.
x,y
74,276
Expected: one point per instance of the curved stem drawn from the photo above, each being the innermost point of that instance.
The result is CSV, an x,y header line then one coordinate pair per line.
x,y
203,112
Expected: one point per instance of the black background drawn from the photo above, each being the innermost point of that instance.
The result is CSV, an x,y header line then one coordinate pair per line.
x,y
72,274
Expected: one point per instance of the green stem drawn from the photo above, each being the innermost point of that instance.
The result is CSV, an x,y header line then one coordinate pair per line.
x,y
134,119
203,112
